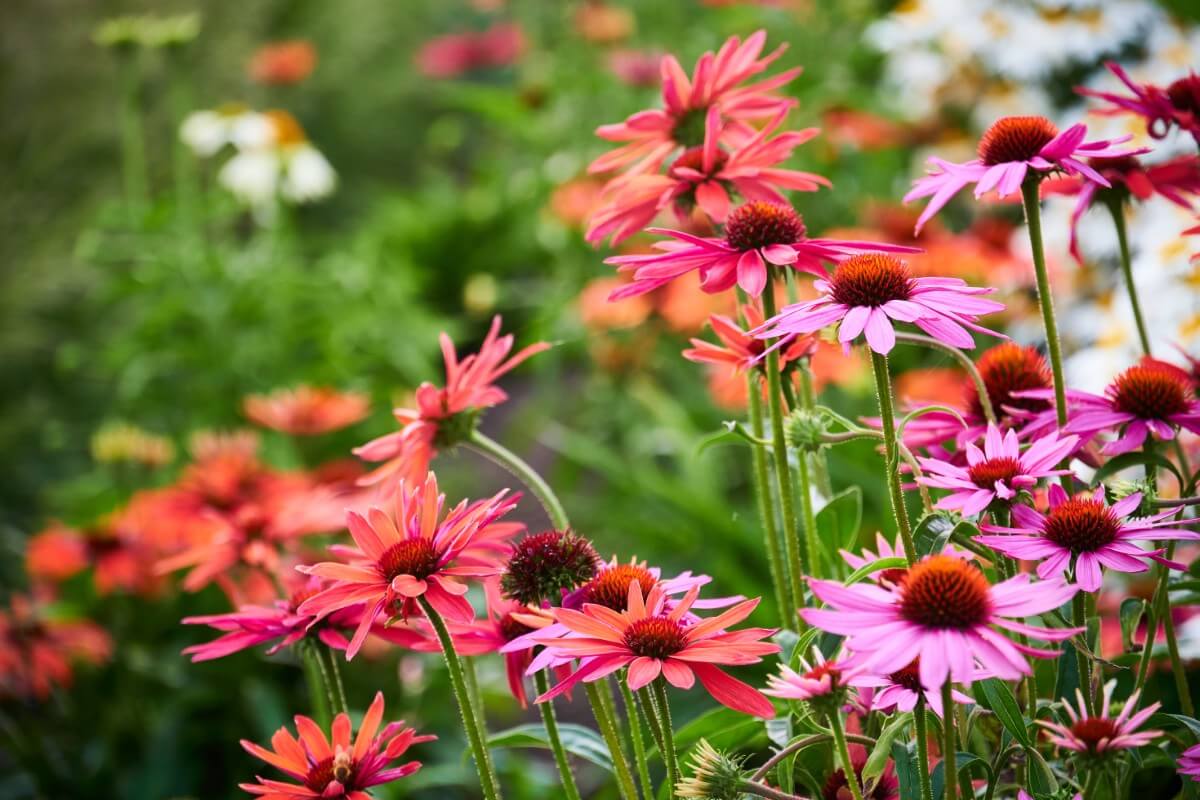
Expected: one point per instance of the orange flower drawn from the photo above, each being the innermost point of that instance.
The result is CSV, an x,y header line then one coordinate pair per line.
x,y
306,410
55,554
603,24
283,63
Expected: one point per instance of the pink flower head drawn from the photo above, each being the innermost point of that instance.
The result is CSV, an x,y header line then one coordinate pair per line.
x,y
651,136
757,235
1085,533
740,350
820,679
652,641
998,472
1008,151
335,767
1178,104
414,551
901,690
454,54
1098,736
868,292
705,176
1189,762
946,612
470,388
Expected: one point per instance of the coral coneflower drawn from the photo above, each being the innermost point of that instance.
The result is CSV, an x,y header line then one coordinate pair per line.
x,y
306,410
1011,149
870,291
998,472
445,416
652,641
336,766
1084,534
1176,105
758,234
416,550
36,651
1097,737
545,566
946,612
740,350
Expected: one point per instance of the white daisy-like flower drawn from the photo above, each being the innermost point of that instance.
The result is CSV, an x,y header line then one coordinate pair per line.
x,y
252,176
308,175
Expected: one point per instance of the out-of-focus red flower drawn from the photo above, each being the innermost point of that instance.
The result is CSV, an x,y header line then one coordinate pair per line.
x,y
573,201
283,63
932,385
635,67
36,651
861,129
306,410
602,23
598,314
454,54
55,553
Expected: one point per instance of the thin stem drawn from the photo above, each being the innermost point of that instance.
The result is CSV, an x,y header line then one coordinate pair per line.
x,y
612,738
1177,668
647,703
337,679
766,791
1082,665
887,415
783,473
949,743
1033,221
504,457
808,399
318,694
474,726
1117,210
473,686
807,511
964,361
799,745
633,714
922,749
843,754
762,495
556,746
662,709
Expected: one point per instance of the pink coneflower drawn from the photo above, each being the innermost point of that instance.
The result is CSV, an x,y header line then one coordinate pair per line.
x,y
1178,104
998,472
741,351
306,410
1099,736
652,643
1008,151
335,767
413,551
454,54
946,612
867,292
705,176
1085,533
1189,762
822,683
757,235
901,690
653,135
443,416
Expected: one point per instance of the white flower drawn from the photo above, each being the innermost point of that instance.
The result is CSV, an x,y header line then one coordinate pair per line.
x,y
308,175
205,132
252,176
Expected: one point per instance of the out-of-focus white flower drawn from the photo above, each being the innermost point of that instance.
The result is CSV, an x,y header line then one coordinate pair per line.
x,y
252,176
206,132
308,175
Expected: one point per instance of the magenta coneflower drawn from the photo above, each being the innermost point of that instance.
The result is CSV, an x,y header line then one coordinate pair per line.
x,y
869,291
997,472
758,234
1085,533
1189,762
1099,736
946,612
741,351
653,135
885,787
822,678
414,551
901,690
1178,104
1008,151
705,176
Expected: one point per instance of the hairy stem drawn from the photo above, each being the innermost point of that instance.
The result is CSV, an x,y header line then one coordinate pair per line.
x,y
510,461
662,709
926,787
318,691
612,738
964,361
633,714
1117,210
762,495
949,743
1033,221
891,445
550,721
843,754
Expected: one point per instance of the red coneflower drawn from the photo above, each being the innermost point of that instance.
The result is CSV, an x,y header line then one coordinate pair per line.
x,y
1176,105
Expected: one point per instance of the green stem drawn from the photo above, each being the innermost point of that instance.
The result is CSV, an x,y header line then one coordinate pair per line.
x,y
1117,210
1082,665
474,726
337,679
1033,221
612,738
472,680
510,461
807,511
919,720
843,754
662,709
556,746
632,713
949,743
887,415
318,694
964,360
762,495
1177,667
647,702
808,400
783,472
759,790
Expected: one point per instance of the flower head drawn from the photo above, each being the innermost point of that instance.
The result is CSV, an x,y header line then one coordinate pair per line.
x,y
900,690
1097,737
1176,105
653,641
946,612
715,775
885,787
1084,534
415,550
545,566
1011,149
444,416
822,684
1189,762
758,234
335,766
456,53
306,410
868,292
283,63
998,472
740,350
37,650
650,137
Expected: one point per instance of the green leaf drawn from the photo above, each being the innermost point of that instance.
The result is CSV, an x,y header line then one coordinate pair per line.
x,y
1041,777
904,757
877,565
1132,611
1176,721
734,433
577,740
877,760
838,523
998,698
779,730
723,728
933,531
1127,460
962,761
